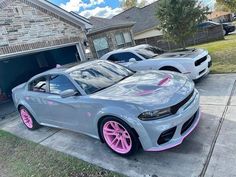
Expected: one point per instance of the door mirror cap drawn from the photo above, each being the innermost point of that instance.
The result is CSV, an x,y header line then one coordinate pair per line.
x,y
68,93
132,60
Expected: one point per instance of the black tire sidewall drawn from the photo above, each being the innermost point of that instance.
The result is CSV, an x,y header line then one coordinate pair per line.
x,y
35,123
134,138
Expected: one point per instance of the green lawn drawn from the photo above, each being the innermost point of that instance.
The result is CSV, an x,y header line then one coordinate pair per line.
x,y
223,54
22,158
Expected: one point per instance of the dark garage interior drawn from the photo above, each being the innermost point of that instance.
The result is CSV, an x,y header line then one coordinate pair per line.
x,y
17,70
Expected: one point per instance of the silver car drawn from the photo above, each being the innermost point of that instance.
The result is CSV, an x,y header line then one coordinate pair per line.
x,y
126,110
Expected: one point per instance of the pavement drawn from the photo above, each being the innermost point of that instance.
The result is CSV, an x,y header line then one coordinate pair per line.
x,y
209,151
6,109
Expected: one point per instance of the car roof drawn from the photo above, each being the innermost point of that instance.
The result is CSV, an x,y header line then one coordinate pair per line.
x,y
212,22
81,65
129,49
63,69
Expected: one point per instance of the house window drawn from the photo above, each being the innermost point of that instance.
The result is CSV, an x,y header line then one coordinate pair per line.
x,y
123,39
101,46
120,41
127,37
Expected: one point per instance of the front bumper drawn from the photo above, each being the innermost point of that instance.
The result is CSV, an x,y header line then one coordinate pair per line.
x,y
202,70
152,130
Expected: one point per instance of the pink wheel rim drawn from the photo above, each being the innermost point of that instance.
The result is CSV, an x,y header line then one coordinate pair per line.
x,y
117,137
26,118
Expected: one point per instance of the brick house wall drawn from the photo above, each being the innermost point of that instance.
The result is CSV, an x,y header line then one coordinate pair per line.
x,y
25,26
110,35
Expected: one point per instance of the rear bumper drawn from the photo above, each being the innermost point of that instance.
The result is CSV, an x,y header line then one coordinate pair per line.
x,y
230,29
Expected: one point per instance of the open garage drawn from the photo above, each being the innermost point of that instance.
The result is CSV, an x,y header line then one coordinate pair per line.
x,y
17,70
35,36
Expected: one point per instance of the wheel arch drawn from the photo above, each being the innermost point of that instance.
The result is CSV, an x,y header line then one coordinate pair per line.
x,y
27,106
173,64
170,68
116,117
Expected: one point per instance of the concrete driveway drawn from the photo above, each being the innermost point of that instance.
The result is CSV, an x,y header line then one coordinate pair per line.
x,y
209,151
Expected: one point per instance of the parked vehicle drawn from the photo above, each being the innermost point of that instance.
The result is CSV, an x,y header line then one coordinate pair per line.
x,y
195,63
227,27
152,109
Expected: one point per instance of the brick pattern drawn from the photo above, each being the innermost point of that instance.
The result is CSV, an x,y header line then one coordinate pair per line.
x,y
37,45
25,26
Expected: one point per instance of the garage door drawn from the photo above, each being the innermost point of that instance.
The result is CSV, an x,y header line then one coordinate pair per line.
x,y
17,70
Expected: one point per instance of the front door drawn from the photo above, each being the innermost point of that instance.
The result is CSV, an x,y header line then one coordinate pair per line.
x,y
64,112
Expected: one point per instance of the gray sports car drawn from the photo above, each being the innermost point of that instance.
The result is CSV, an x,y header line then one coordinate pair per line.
x,y
154,110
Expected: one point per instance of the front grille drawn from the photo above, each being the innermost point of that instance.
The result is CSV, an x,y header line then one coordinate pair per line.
x,y
188,124
166,136
176,107
200,61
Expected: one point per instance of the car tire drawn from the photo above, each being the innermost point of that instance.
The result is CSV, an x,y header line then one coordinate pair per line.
x,y
224,32
119,137
28,119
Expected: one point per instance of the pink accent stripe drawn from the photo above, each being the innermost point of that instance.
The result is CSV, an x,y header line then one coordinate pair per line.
x,y
180,142
165,80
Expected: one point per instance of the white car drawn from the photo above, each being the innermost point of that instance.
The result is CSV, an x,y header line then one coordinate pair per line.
x,y
194,63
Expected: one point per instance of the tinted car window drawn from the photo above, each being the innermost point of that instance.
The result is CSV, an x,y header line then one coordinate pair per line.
x,y
207,24
38,85
60,83
123,57
92,78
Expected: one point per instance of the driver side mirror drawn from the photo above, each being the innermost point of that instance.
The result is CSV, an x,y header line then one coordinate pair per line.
x,y
132,60
68,93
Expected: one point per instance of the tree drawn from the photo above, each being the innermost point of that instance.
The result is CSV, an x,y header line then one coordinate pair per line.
x,y
227,4
127,4
179,18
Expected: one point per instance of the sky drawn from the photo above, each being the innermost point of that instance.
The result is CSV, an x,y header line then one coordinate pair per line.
x,y
100,8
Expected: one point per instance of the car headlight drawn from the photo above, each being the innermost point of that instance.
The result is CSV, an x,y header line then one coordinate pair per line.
x,y
153,115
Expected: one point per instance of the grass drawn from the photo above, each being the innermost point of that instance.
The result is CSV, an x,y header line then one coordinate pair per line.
x,y
21,158
223,54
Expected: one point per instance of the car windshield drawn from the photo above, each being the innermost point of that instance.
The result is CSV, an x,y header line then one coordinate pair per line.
x,y
95,77
147,54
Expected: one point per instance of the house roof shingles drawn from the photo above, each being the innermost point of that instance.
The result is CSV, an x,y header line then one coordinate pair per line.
x,y
102,24
144,18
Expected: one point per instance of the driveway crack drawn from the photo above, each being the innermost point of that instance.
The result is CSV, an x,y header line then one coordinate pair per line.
x,y
217,132
48,136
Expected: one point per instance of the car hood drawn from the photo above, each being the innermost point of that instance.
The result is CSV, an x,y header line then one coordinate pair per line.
x,y
183,54
150,89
